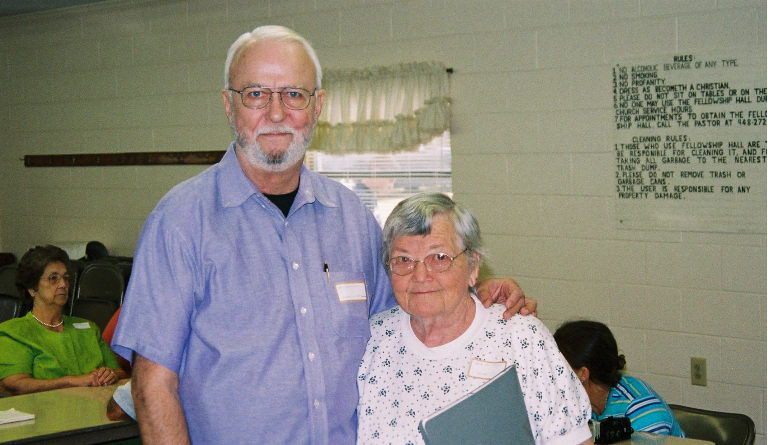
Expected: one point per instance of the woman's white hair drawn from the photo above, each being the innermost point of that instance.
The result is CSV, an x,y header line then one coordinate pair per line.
x,y
413,216
276,33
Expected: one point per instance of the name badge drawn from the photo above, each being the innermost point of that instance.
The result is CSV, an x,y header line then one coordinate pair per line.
x,y
81,325
480,369
351,291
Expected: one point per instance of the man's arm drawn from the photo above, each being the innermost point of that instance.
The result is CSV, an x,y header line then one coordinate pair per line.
x,y
155,393
507,292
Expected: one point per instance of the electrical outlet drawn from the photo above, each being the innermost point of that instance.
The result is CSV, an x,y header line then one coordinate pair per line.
x,y
698,371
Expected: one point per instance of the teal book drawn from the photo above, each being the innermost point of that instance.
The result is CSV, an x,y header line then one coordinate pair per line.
x,y
494,413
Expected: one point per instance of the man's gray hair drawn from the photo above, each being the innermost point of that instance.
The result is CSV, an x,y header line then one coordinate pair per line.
x,y
413,216
276,33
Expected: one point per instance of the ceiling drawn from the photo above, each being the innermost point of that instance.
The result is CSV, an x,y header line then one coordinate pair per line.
x,y
15,7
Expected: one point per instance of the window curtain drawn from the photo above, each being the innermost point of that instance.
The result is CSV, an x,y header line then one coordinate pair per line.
x,y
383,109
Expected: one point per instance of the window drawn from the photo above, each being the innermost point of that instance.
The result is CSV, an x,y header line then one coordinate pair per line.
x,y
385,132
381,180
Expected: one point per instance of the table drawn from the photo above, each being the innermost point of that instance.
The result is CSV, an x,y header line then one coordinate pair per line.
x,y
65,416
643,438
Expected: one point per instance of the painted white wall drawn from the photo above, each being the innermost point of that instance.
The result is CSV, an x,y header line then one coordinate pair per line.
x,y
532,138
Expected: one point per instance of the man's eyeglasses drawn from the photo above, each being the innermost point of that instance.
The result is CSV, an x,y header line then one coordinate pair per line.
x,y
260,97
54,279
437,262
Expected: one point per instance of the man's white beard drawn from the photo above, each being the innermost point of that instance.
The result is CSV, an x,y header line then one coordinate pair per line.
x,y
279,162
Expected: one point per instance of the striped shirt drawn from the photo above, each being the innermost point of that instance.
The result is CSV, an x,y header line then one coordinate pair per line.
x,y
646,410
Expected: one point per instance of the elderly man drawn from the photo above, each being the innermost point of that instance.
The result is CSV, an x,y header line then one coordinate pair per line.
x,y
247,310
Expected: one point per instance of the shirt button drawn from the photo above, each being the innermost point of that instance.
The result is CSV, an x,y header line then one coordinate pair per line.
x,y
303,311
295,266
317,403
311,356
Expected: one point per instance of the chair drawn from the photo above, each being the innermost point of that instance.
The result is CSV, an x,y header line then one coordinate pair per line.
x,y
7,258
8,280
719,427
75,269
10,307
100,280
125,264
96,310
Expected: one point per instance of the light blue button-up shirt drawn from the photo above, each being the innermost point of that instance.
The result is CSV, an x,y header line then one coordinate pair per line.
x,y
236,299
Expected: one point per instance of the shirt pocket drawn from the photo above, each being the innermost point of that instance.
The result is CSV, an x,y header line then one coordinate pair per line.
x,y
348,308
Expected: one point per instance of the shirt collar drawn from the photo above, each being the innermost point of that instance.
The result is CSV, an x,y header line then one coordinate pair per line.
x,y
312,186
235,188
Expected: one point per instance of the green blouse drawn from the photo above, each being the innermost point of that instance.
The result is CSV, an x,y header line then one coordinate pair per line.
x,y
27,347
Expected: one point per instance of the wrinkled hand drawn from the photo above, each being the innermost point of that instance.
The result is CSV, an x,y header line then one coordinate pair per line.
x,y
85,380
507,292
104,376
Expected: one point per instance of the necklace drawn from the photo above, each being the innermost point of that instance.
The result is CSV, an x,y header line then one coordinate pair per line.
x,y
46,324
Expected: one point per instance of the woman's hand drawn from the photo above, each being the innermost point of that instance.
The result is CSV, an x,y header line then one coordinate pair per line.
x,y
25,383
105,376
82,380
98,377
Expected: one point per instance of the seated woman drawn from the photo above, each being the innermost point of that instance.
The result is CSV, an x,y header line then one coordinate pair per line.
x,y
45,349
440,343
592,352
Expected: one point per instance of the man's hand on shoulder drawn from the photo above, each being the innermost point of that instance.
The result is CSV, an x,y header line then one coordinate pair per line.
x,y
506,291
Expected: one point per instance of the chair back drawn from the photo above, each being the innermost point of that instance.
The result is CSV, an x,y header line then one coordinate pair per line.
x,y
100,280
10,307
96,310
7,258
8,280
75,269
722,428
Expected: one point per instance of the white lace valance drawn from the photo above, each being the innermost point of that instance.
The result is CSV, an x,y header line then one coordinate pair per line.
x,y
383,109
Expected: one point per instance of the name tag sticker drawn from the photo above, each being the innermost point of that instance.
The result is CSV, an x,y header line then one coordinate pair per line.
x,y
480,369
81,325
351,291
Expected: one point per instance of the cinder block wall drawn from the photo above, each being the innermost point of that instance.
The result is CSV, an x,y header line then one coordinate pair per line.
x,y
531,137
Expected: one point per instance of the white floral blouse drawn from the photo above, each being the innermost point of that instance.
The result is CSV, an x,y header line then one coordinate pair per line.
x,y
401,381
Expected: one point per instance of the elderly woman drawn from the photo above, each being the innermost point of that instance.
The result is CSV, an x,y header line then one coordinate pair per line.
x,y
440,343
45,349
591,350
